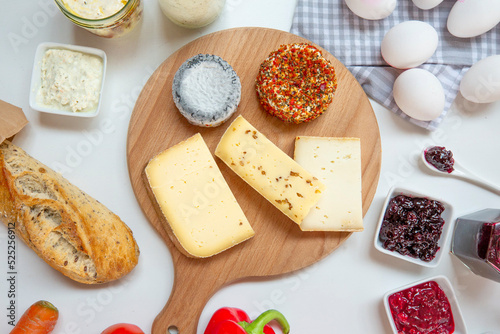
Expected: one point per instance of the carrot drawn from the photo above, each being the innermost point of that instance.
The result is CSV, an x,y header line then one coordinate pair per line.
x,y
39,318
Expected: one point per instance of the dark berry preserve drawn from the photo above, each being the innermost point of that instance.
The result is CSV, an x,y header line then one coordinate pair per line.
x,y
494,249
488,246
484,240
423,308
440,158
412,226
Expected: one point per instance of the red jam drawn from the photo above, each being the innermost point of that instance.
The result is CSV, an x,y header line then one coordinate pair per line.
x,y
421,309
488,246
412,226
440,158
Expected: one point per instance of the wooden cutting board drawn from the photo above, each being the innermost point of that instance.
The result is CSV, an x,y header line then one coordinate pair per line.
x,y
278,246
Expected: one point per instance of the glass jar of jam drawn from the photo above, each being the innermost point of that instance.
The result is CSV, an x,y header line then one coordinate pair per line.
x,y
103,18
476,242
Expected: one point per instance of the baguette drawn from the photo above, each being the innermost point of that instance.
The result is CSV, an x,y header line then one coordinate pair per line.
x,y
68,229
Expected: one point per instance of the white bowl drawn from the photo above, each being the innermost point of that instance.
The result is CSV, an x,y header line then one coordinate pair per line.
x,y
36,78
446,215
445,285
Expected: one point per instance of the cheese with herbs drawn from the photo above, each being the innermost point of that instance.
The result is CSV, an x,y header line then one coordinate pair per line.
x,y
269,170
337,163
196,200
70,80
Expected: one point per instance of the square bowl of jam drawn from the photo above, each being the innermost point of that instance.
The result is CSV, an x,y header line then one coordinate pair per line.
x,y
426,306
67,79
414,226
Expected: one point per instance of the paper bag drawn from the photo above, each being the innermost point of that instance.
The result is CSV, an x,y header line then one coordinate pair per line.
x,y
12,120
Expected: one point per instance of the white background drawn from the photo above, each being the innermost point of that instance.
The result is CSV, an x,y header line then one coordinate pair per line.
x,y
341,294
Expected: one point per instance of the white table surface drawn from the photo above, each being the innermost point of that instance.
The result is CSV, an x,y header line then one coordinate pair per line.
x,y
340,294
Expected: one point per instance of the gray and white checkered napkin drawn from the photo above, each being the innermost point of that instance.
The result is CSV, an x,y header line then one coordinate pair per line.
x,y
356,43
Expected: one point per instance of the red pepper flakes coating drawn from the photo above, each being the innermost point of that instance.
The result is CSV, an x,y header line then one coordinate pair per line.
x,y
296,83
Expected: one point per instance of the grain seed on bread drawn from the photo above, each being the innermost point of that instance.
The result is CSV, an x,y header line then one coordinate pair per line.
x,y
68,229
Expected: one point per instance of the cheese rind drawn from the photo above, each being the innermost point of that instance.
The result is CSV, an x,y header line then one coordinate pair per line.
x,y
196,201
337,163
270,171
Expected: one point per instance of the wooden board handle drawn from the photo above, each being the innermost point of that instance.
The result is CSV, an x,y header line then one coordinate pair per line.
x,y
183,309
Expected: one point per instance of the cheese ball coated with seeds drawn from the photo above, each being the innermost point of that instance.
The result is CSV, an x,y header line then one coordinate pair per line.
x,y
296,83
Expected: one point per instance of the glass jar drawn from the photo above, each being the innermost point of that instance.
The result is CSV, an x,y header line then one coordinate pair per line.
x,y
192,13
476,242
115,25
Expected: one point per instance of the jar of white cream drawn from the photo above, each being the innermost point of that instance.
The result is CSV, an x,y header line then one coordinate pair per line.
x,y
192,13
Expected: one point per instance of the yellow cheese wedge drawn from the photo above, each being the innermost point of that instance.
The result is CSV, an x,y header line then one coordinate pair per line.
x,y
337,163
196,200
269,170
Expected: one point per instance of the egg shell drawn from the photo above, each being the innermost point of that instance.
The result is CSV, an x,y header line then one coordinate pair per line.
x,y
470,18
419,94
481,83
409,44
372,9
426,4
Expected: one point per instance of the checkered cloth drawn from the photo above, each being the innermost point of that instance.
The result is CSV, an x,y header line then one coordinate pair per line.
x,y
356,43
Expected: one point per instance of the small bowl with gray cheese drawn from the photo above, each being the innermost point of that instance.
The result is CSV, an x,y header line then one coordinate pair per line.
x,y
67,79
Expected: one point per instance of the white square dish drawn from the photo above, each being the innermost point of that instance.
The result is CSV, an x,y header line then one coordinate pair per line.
x,y
445,285
447,215
36,78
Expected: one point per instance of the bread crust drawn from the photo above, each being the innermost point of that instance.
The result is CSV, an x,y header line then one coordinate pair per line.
x,y
71,231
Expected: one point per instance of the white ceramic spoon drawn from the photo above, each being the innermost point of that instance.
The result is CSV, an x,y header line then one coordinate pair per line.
x,y
461,172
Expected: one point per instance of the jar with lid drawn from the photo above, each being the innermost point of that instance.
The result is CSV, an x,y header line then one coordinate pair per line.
x,y
103,18
192,13
476,242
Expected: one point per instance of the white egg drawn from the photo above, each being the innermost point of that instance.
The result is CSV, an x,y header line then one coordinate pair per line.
x,y
426,4
481,83
371,9
470,18
419,94
409,44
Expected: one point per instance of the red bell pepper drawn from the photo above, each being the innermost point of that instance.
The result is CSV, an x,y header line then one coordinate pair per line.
x,y
230,320
123,328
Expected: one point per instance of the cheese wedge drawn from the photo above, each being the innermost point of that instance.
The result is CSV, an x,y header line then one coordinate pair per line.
x,y
196,201
337,163
269,170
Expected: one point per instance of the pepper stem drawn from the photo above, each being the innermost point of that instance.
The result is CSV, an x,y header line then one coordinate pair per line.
x,y
257,326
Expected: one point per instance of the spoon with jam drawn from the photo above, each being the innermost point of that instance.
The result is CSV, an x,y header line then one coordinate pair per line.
x,y
440,160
